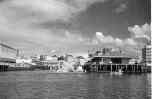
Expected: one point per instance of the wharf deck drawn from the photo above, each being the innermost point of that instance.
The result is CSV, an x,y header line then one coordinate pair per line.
x,y
127,68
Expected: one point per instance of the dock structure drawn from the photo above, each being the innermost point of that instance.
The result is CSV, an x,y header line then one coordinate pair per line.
x,y
3,67
112,63
8,56
126,68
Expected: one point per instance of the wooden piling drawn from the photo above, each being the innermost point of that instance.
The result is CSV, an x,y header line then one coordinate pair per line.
x,y
136,68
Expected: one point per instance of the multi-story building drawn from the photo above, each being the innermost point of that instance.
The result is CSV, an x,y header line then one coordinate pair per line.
x,y
146,55
7,53
111,59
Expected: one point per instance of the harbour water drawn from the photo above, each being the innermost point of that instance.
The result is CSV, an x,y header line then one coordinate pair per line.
x,y
46,85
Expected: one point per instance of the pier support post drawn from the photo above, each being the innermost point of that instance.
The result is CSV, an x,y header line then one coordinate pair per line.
x,y
111,68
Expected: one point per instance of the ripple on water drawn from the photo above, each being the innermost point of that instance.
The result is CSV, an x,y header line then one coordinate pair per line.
x,y
45,85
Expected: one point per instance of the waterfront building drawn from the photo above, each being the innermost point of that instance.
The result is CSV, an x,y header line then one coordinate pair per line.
x,y
8,53
146,55
35,58
46,62
8,56
110,55
134,61
111,59
105,52
43,57
24,62
114,61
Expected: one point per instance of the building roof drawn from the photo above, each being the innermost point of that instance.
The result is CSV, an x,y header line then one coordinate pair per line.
x,y
9,60
110,56
7,46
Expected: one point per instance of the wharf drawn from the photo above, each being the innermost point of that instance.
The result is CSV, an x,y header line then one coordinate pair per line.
x,y
126,68
100,68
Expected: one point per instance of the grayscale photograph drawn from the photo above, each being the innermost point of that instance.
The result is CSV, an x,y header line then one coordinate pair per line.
x,y
75,49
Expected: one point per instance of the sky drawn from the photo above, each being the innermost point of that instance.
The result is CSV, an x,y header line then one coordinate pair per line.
x,y
74,26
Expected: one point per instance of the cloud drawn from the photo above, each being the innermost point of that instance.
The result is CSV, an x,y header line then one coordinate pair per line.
x,y
143,31
130,41
126,45
118,41
104,39
121,8
138,32
19,19
114,41
46,10
20,25
74,36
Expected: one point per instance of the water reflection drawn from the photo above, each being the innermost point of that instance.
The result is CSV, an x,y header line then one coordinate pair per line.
x,y
45,85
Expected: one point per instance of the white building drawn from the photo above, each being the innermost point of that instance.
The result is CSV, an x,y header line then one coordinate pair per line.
x,y
19,60
7,54
146,55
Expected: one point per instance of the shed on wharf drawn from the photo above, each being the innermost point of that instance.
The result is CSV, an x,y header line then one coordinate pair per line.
x,y
113,64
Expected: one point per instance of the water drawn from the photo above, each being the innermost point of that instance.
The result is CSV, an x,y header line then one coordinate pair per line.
x,y
45,85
